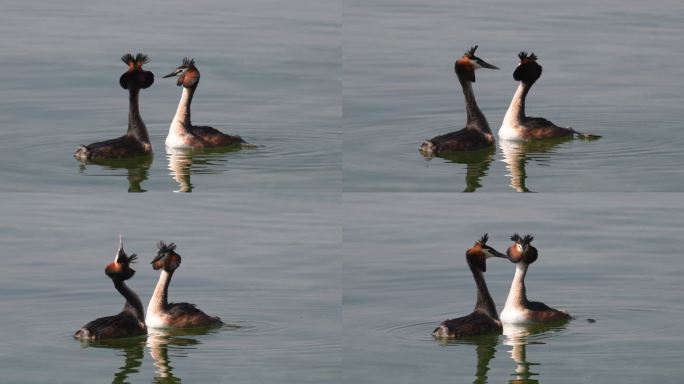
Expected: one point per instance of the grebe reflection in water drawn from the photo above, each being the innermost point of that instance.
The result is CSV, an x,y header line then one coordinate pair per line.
x,y
485,350
477,165
185,162
132,350
517,154
518,337
137,170
161,341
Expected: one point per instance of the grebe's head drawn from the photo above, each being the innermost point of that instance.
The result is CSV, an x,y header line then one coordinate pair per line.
x,y
528,70
136,76
166,258
187,73
522,249
480,252
120,268
465,66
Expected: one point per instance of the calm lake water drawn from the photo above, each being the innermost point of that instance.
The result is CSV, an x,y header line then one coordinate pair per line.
x,y
613,258
271,72
321,275
268,263
611,68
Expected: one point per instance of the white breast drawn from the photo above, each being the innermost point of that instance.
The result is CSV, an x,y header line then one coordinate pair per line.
x,y
510,131
154,320
513,315
176,140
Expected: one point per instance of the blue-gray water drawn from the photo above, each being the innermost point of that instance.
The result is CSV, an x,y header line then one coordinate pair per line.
x,y
611,68
270,71
612,258
268,263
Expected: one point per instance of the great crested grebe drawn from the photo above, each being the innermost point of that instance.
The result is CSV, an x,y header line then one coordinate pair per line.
x,y
517,126
483,319
161,313
476,134
518,309
136,141
182,134
131,320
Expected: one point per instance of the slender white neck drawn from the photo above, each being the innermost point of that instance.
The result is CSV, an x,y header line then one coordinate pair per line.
x,y
516,295
159,300
181,121
516,111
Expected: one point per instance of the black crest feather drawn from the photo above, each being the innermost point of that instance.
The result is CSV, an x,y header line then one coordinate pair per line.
x,y
527,239
483,239
471,51
127,58
138,59
141,59
188,62
523,55
163,248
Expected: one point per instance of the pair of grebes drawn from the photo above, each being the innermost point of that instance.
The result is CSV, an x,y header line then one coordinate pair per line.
x,y
516,125
182,134
518,309
131,321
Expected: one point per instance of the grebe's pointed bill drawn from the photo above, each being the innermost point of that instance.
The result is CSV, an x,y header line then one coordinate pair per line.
x,y
487,250
483,64
476,61
491,252
120,254
187,64
174,73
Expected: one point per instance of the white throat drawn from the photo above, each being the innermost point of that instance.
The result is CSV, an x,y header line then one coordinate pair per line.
x,y
515,303
181,121
158,303
511,127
